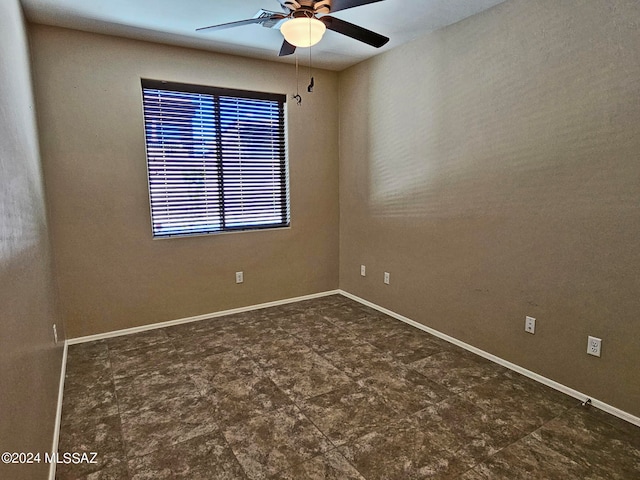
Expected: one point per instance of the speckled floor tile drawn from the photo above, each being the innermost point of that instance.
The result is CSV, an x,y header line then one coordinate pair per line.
x,y
457,371
210,371
260,328
243,319
519,401
345,312
272,313
304,306
446,465
405,390
270,319
542,391
125,343
361,360
117,471
149,387
321,334
276,442
305,322
305,375
442,441
89,395
217,335
273,351
102,436
235,402
86,360
209,342
403,450
472,433
528,459
144,359
330,466
374,326
630,431
330,301
595,445
165,423
201,458
325,303
472,474
411,345
195,329
347,413
327,340
478,434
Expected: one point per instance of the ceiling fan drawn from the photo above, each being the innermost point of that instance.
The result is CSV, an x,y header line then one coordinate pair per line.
x,y
305,21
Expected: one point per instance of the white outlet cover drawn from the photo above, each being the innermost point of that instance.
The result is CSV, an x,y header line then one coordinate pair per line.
x,y
363,270
530,325
239,277
387,278
594,346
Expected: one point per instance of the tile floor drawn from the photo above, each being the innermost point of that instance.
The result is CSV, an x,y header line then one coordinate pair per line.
x,y
322,389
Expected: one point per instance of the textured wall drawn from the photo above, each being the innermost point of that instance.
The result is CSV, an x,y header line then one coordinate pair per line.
x,y
112,274
493,168
29,361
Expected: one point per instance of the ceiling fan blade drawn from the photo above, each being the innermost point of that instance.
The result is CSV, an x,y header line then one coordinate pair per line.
x,y
286,49
354,31
240,23
337,5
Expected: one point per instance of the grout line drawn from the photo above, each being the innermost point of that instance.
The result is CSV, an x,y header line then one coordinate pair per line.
x,y
525,435
115,395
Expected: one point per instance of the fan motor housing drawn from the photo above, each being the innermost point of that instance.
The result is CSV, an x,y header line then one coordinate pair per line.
x,y
312,6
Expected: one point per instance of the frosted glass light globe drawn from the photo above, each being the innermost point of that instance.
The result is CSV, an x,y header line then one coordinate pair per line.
x,y
303,32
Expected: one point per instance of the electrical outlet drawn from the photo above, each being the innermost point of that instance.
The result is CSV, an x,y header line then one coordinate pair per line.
x,y
55,334
363,270
239,277
594,346
530,325
387,278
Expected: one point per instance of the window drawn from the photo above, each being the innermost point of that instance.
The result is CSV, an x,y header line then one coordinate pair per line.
x,y
216,159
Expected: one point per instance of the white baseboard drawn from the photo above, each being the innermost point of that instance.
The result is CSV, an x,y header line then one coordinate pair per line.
x,y
206,316
511,366
56,428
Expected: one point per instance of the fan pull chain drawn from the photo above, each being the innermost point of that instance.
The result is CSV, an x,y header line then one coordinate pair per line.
x,y
297,96
310,87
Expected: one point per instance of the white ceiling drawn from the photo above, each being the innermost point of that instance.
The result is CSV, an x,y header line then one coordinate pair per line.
x,y
174,22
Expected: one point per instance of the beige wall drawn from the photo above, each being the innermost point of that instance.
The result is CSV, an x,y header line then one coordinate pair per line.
x,y
112,275
493,168
29,360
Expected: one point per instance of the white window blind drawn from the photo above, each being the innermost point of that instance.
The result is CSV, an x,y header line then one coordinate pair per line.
x,y
216,159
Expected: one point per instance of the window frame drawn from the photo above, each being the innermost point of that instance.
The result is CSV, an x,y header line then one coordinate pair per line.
x,y
281,160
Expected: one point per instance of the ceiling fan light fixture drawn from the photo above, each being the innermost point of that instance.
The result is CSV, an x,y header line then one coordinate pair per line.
x,y
302,31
